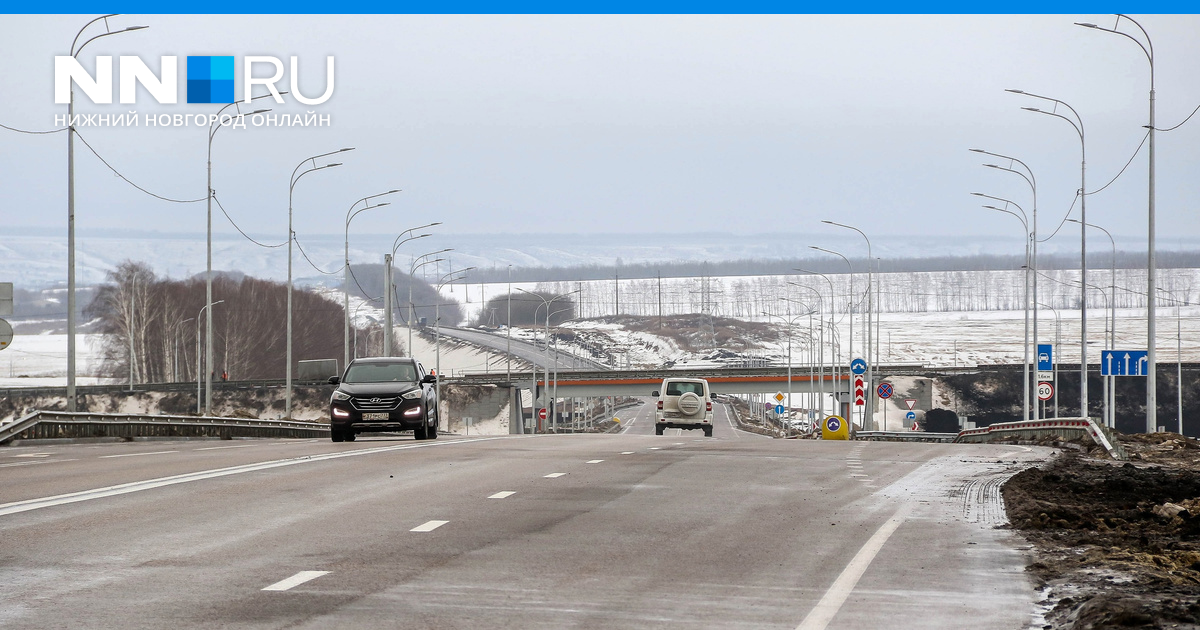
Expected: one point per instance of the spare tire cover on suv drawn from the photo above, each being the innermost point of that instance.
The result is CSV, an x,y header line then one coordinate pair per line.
x,y
689,403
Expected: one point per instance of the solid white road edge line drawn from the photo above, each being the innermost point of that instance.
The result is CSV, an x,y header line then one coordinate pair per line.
x,y
295,580
149,484
429,526
137,454
821,614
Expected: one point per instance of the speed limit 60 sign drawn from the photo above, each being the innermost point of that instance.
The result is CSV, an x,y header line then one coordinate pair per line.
x,y
1045,391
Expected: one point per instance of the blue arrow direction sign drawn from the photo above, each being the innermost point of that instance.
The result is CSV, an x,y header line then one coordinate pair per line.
x,y
858,366
1124,363
779,410
912,415
1045,357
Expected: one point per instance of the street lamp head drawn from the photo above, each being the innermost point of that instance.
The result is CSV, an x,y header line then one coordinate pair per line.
x,y
1015,91
977,150
827,222
344,150
1033,109
135,28
332,165
394,190
1086,24
977,194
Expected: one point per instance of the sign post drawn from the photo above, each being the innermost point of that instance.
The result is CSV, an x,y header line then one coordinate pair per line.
x,y
885,392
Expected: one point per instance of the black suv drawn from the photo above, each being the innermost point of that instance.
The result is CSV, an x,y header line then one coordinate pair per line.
x,y
383,394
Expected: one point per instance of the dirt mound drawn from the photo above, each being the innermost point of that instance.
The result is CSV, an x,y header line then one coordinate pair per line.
x,y
1117,544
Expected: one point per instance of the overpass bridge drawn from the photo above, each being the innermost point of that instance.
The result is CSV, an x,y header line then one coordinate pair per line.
x,y
584,383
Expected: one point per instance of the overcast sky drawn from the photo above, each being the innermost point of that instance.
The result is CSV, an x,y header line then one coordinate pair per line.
x,y
664,124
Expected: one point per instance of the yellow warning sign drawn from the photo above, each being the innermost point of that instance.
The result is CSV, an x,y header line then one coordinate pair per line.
x,y
835,428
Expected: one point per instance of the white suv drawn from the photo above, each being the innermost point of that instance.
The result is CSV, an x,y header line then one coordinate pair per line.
x,y
684,403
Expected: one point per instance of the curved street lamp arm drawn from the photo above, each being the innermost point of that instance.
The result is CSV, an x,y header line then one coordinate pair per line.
x,y
313,160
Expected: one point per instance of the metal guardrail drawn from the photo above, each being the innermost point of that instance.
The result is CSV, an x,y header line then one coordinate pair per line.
x,y
1046,428
904,436
62,424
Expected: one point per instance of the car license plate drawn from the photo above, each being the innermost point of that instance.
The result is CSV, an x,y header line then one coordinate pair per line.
x,y
375,416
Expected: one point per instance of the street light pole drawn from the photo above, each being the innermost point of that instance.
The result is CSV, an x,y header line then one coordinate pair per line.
x,y
71,324
437,327
1030,179
850,309
213,128
206,307
870,364
412,271
1077,125
389,288
1112,329
1024,219
292,237
833,359
1151,263
350,214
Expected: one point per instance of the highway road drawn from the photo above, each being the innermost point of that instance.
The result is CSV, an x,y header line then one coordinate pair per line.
x,y
627,530
523,350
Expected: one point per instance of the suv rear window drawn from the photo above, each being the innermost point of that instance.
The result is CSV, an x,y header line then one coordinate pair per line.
x,y
677,388
381,373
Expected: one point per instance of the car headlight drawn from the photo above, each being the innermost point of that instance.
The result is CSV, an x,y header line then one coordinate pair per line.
x,y
413,395
339,395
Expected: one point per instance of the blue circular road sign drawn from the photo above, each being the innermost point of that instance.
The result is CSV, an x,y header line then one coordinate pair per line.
x,y
912,415
779,410
885,390
833,423
858,366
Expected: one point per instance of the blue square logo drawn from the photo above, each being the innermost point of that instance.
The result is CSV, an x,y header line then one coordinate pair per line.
x,y
210,79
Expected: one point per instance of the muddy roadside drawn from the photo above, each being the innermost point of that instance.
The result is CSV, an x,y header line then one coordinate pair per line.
x,y
1116,544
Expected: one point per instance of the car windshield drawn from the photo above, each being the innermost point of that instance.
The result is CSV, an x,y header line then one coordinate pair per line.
x,y
381,373
678,388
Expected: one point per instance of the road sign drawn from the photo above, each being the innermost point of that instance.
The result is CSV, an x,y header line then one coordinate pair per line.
x,y
6,334
779,410
1045,376
885,390
911,402
6,298
1045,391
541,414
1124,363
779,397
835,428
858,366
916,427
860,392
911,415
1045,357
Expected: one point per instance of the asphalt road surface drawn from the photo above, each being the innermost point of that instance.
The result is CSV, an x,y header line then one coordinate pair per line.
x,y
627,530
523,350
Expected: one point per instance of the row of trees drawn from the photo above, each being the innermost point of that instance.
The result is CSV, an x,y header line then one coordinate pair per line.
x,y
1100,258
528,309
151,333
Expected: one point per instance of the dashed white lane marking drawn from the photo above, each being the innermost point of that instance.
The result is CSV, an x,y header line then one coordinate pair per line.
x,y
679,443
857,475
554,475
654,448
217,448
137,454
820,616
627,452
33,455
428,527
595,461
295,580
502,495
